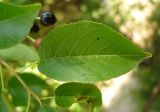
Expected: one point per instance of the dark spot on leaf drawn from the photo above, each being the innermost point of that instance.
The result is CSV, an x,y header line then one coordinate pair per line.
x,y
98,38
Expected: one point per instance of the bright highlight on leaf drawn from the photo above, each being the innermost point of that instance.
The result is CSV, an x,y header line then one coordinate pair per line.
x,y
69,93
87,52
15,23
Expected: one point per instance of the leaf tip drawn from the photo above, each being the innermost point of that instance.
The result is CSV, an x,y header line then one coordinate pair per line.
x,y
147,54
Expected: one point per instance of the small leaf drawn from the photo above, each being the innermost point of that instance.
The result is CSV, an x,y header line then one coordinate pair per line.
x,y
69,93
87,52
20,53
46,108
15,23
18,92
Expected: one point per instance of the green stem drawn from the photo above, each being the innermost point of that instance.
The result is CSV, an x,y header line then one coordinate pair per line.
x,y
49,97
24,68
28,104
28,90
2,82
38,18
21,81
30,38
90,107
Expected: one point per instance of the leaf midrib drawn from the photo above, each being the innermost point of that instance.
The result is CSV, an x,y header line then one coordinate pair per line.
x,y
145,55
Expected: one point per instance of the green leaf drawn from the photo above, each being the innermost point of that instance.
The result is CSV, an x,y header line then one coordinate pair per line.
x,y
16,1
87,52
72,92
20,53
46,108
15,23
5,106
18,92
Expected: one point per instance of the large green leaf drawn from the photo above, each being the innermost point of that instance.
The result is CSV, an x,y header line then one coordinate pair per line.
x,y
18,92
88,52
69,93
20,53
15,1
15,23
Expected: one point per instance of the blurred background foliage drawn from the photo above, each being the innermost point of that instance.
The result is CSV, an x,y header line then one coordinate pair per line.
x,y
139,20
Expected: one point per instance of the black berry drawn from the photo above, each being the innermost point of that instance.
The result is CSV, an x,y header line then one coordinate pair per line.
x,y
35,28
47,18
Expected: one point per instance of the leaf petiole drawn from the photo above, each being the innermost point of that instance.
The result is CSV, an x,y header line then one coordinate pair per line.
x,y
90,107
38,18
31,39
28,104
46,98
2,82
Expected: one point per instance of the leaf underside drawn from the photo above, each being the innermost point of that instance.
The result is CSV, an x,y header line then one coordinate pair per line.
x,y
15,22
20,53
87,52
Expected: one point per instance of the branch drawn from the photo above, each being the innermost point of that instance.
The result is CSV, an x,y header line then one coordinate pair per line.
x,y
21,81
155,92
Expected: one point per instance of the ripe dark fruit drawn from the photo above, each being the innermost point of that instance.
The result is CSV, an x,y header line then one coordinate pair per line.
x,y
47,18
35,28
